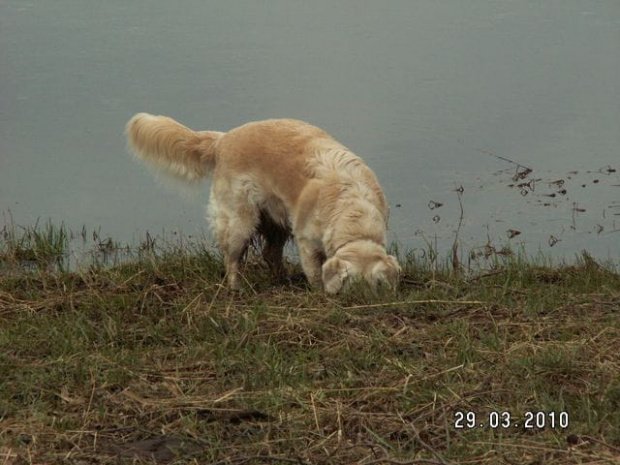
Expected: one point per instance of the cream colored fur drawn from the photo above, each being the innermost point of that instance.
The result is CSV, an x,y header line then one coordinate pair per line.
x,y
279,178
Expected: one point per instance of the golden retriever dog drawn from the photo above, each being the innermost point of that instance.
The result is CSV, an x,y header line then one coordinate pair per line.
x,y
277,178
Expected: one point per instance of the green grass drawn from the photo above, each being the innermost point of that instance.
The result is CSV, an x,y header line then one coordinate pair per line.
x,y
154,361
34,245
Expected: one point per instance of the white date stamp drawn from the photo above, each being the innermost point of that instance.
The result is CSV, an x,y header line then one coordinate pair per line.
x,y
504,420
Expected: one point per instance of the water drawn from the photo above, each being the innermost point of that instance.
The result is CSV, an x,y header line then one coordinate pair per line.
x,y
429,93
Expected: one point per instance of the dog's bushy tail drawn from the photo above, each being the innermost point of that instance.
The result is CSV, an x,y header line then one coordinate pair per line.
x,y
172,148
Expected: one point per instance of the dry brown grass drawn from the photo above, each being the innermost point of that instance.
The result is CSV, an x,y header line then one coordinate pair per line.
x,y
155,362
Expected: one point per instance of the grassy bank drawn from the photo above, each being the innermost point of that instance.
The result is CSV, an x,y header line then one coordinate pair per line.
x,y
153,361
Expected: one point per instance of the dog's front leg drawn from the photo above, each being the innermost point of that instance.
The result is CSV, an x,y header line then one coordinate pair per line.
x,y
311,258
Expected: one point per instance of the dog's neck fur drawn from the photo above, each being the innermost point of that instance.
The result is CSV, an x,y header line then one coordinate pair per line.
x,y
354,224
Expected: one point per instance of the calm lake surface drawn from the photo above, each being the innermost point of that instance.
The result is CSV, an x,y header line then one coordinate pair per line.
x,y
434,95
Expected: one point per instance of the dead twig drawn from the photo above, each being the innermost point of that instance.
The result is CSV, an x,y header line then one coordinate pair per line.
x,y
399,462
424,301
424,444
263,458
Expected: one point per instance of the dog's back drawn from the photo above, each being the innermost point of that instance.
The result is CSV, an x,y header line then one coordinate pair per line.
x,y
276,153
283,155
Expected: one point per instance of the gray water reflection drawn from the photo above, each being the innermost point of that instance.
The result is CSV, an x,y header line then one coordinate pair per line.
x,y
429,93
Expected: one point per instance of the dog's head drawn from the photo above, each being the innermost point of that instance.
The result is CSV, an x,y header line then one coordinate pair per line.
x,y
360,261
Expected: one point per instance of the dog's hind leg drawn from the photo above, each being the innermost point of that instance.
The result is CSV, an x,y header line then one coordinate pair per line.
x,y
233,230
234,246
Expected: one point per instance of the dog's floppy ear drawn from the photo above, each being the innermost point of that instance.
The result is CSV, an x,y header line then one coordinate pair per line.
x,y
390,271
334,273
386,271
393,262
